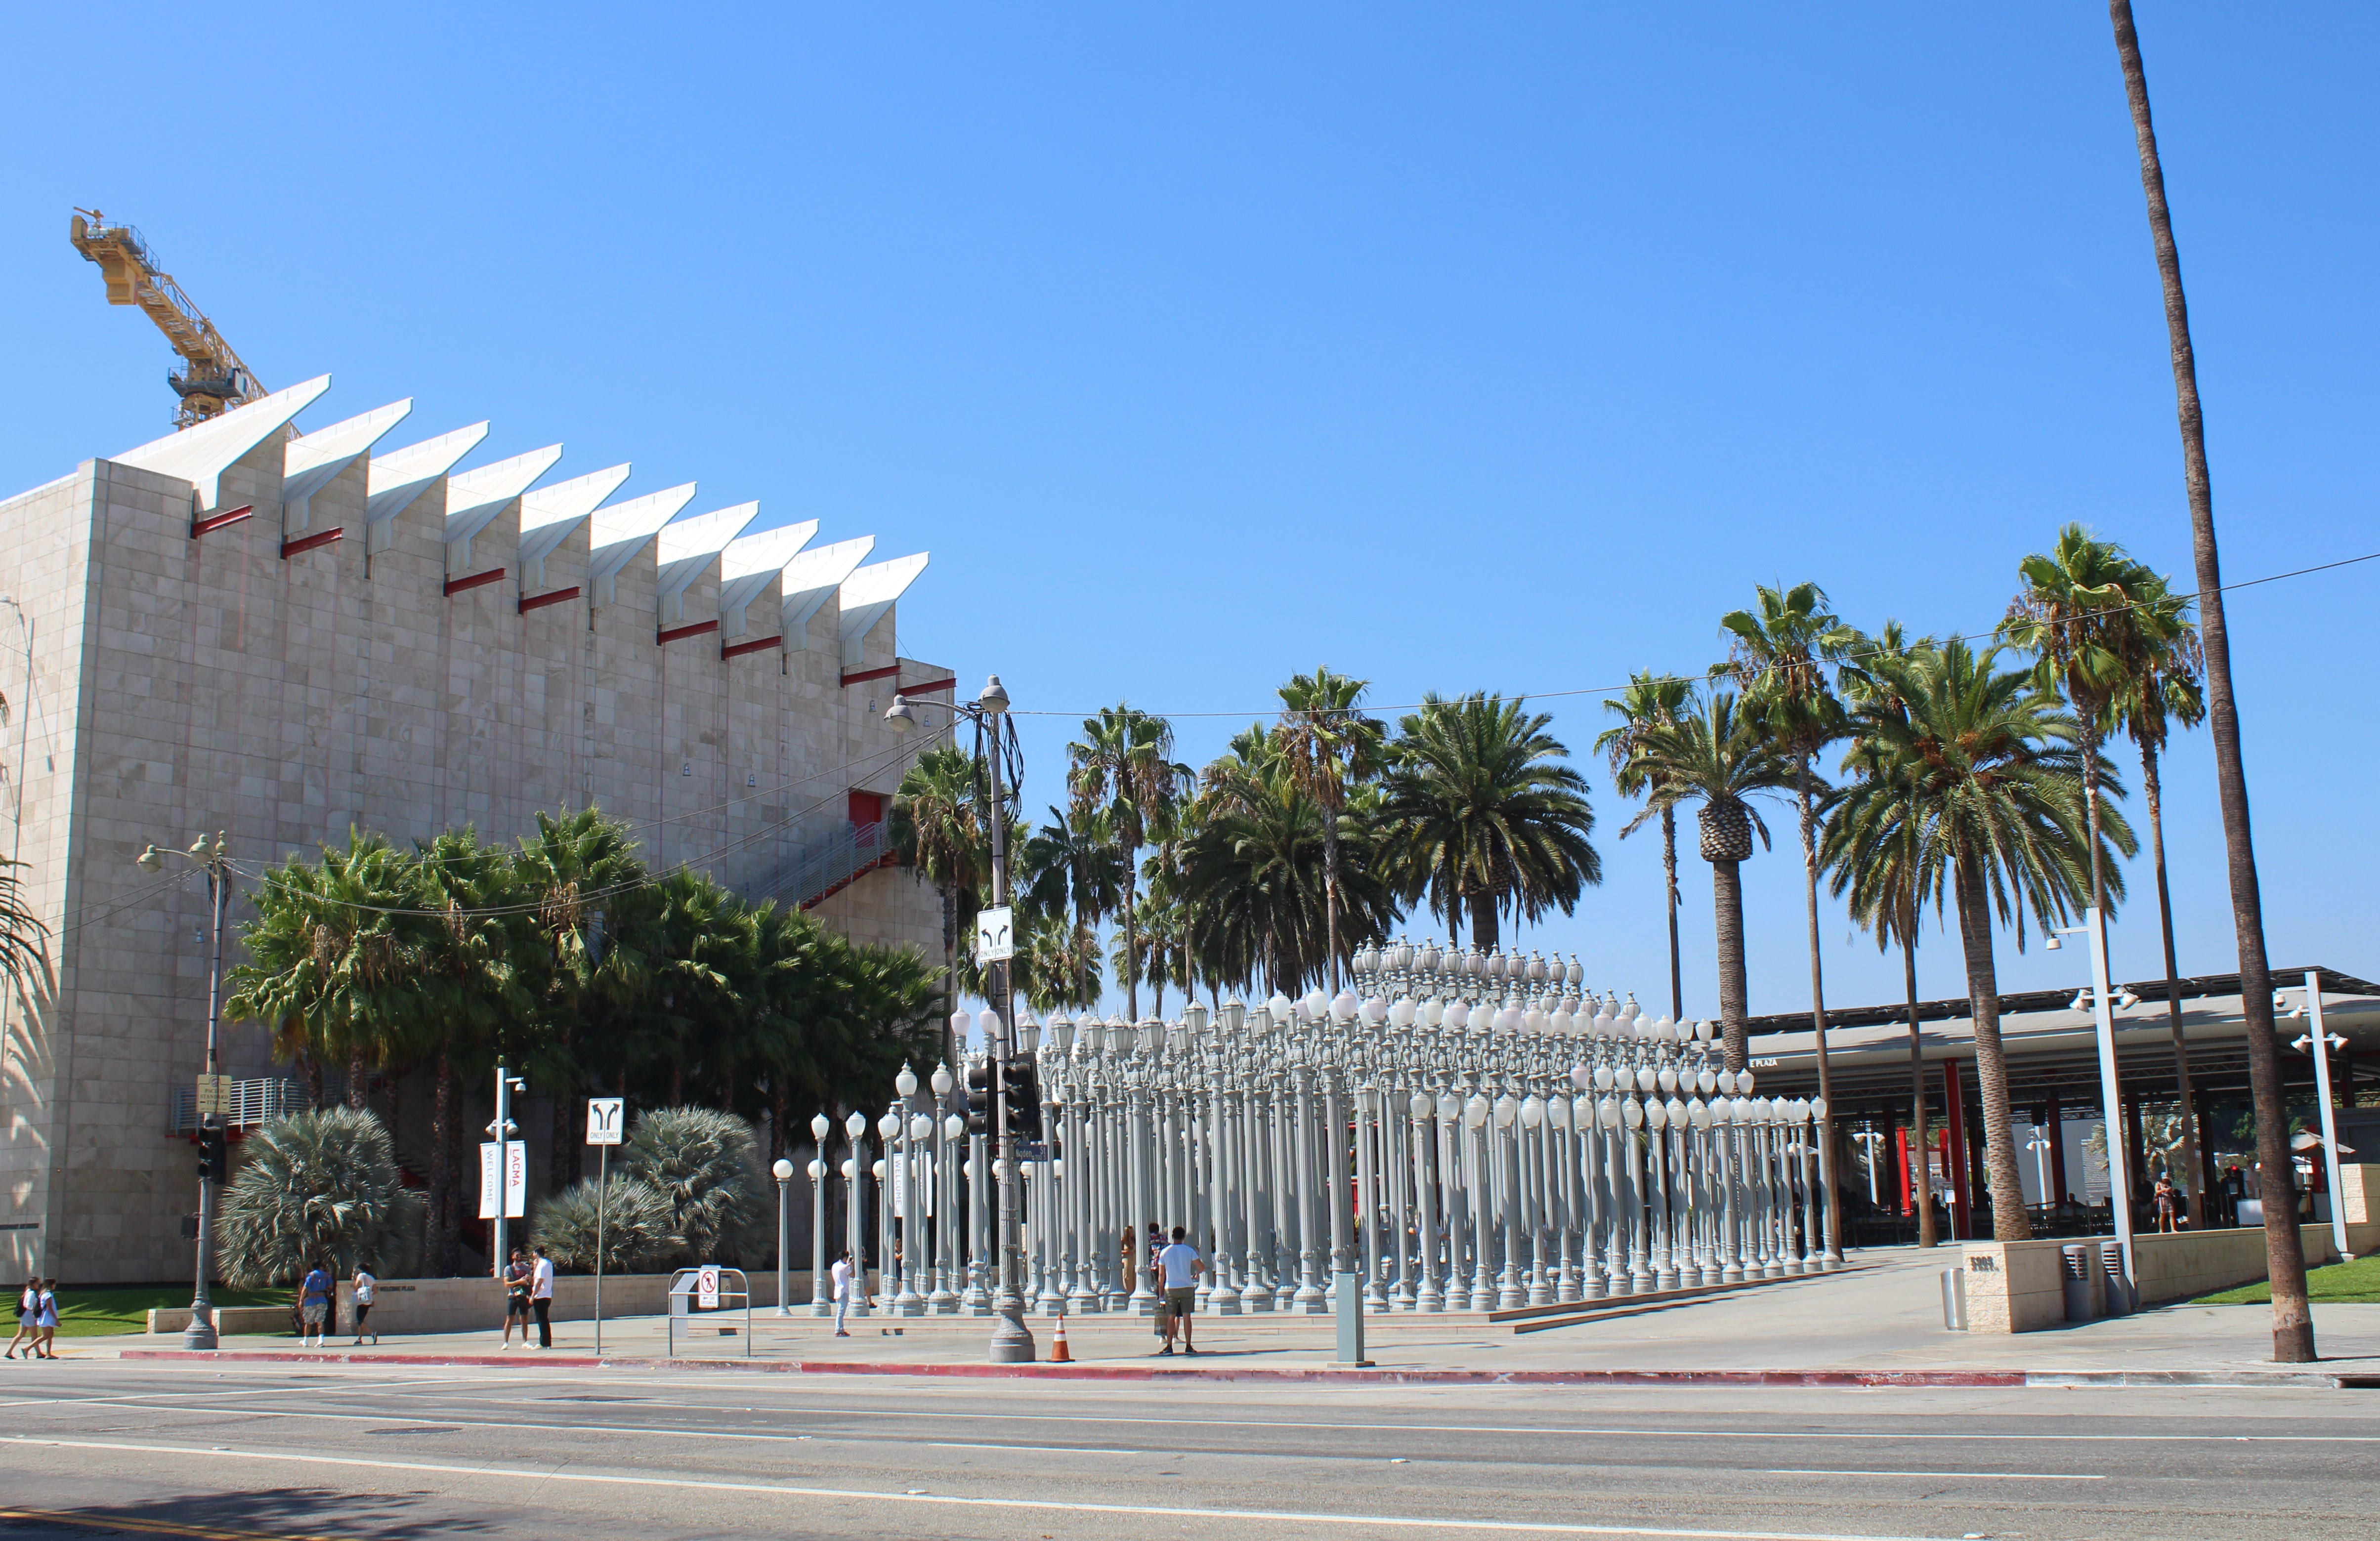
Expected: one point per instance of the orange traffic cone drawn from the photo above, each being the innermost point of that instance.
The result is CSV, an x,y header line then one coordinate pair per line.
x,y
1058,1352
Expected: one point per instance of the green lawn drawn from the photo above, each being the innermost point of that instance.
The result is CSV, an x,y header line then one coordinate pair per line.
x,y
95,1312
2357,1282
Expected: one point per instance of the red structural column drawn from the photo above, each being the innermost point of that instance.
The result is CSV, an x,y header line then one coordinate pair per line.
x,y
1900,1150
1954,1156
2057,1150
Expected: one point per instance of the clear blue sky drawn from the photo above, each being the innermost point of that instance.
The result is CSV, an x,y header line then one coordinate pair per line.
x,y
1451,347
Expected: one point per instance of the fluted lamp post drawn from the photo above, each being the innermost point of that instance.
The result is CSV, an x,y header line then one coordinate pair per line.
x,y
819,1304
783,1170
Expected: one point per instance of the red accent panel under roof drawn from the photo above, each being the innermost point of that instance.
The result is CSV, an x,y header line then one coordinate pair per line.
x,y
477,580
737,649
676,634
538,601
305,543
865,674
213,522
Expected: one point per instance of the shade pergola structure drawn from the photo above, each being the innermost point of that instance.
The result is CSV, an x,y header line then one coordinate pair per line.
x,y
2051,1044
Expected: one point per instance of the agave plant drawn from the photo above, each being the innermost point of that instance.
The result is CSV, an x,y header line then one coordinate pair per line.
x,y
706,1167
634,1225
317,1187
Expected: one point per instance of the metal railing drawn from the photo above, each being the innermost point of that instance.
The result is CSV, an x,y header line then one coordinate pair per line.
x,y
689,1291
829,864
252,1103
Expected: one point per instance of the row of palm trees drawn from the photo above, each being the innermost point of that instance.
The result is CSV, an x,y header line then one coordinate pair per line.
x,y
1309,836
1974,780
565,957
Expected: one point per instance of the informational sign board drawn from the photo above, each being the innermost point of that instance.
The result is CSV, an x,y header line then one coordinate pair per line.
x,y
995,935
214,1095
706,1289
605,1115
504,1166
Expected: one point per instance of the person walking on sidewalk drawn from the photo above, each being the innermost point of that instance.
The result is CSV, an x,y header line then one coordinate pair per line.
x,y
313,1306
841,1274
541,1298
517,1278
1178,1267
366,1286
28,1311
46,1318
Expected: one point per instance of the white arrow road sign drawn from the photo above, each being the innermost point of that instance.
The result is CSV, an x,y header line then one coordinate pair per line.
x,y
604,1117
995,935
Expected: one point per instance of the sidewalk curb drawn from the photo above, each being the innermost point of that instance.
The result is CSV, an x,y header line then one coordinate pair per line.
x,y
1317,1376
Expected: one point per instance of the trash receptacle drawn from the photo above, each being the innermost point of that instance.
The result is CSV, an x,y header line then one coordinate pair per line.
x,y
2074,1269
2111,1263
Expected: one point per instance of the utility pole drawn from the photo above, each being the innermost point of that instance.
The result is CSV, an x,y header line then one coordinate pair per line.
x,y
215,1156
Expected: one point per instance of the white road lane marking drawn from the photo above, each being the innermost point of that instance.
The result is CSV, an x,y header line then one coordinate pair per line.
x,y
1047,1449
2008,1476
1295,1517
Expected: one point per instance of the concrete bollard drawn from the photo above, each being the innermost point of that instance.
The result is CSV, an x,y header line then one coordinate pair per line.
x,y
2074,1269
2111,1263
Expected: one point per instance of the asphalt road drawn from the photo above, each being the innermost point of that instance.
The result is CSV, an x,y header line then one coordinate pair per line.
x,y
365,1451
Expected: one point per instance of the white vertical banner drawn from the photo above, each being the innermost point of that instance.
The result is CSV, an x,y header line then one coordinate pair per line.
x,y
510,1170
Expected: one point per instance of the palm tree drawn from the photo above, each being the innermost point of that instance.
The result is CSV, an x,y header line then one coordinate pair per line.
x,y
1072,862
1123,765
577,867
1714,756
938,821
1328,746
1780,657
1650,700
1252,878
1158,935
1058,959
317,1187
2161,670
2285,1250
1982,763
1483,815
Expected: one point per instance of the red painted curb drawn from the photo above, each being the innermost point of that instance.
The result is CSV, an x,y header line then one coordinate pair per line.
x,y
1134,1372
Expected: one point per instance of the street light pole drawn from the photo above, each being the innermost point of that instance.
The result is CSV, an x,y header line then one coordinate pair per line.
x,y
2321,1043
213,858
2103,1013
819,1307
1012,1341
783,1170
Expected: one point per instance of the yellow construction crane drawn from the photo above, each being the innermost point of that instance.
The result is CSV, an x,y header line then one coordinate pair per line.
x,y
213,379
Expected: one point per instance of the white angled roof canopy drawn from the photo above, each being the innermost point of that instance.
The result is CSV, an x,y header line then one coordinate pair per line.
x,y
868,593
747,565
688,547
619,531
813,577
395,479
200,456
550,514
476,496
313,462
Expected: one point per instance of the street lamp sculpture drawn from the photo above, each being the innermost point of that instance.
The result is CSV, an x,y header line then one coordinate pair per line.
x,y
783,1170
819,1304
1461,1132
213,858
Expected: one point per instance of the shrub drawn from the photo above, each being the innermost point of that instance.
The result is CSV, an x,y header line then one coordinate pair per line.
x,y
707,1167
636,1226
317,1187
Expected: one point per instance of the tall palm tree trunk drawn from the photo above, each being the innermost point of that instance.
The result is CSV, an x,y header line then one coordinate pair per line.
x,y
444,1221
356,1082
1824,1131
1727,916
1483,922
1131,937
1330,892
1920,1171
950,974
2152,789
2009,1220
1669,873
2284,1252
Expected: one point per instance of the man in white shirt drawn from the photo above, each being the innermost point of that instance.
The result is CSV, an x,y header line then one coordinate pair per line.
x,y
541,1298
1179,1266
366,1286
841,1274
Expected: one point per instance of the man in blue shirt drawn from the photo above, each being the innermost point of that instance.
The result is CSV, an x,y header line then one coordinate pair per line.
x,y
313,1306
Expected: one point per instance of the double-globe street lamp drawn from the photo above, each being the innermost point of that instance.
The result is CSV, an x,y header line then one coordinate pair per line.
x,y
212,857
1011,1343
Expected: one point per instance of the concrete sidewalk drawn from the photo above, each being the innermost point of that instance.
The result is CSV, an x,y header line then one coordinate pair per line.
x,y
1880,1325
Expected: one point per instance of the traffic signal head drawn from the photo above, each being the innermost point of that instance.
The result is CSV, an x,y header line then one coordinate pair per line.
x,y
214,1154
978,1100
1024,1088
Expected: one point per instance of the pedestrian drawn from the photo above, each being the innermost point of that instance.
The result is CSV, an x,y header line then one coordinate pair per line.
x,y
1156,1245
540,1299
2168,1202
366,1286
28,1311
46,1317
517,1278
1179,1266
841,1274
313,1305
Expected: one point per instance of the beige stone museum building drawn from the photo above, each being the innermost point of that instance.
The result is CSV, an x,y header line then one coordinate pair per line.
x,y
280,632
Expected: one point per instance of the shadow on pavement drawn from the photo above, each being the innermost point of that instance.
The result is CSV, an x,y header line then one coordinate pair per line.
x,y
280,1513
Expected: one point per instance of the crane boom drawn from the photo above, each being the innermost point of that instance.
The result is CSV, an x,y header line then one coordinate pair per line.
x,y
212,379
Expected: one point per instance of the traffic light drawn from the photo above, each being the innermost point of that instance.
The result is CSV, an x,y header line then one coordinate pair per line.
x,y
1023,1098
214,1154
978,1100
